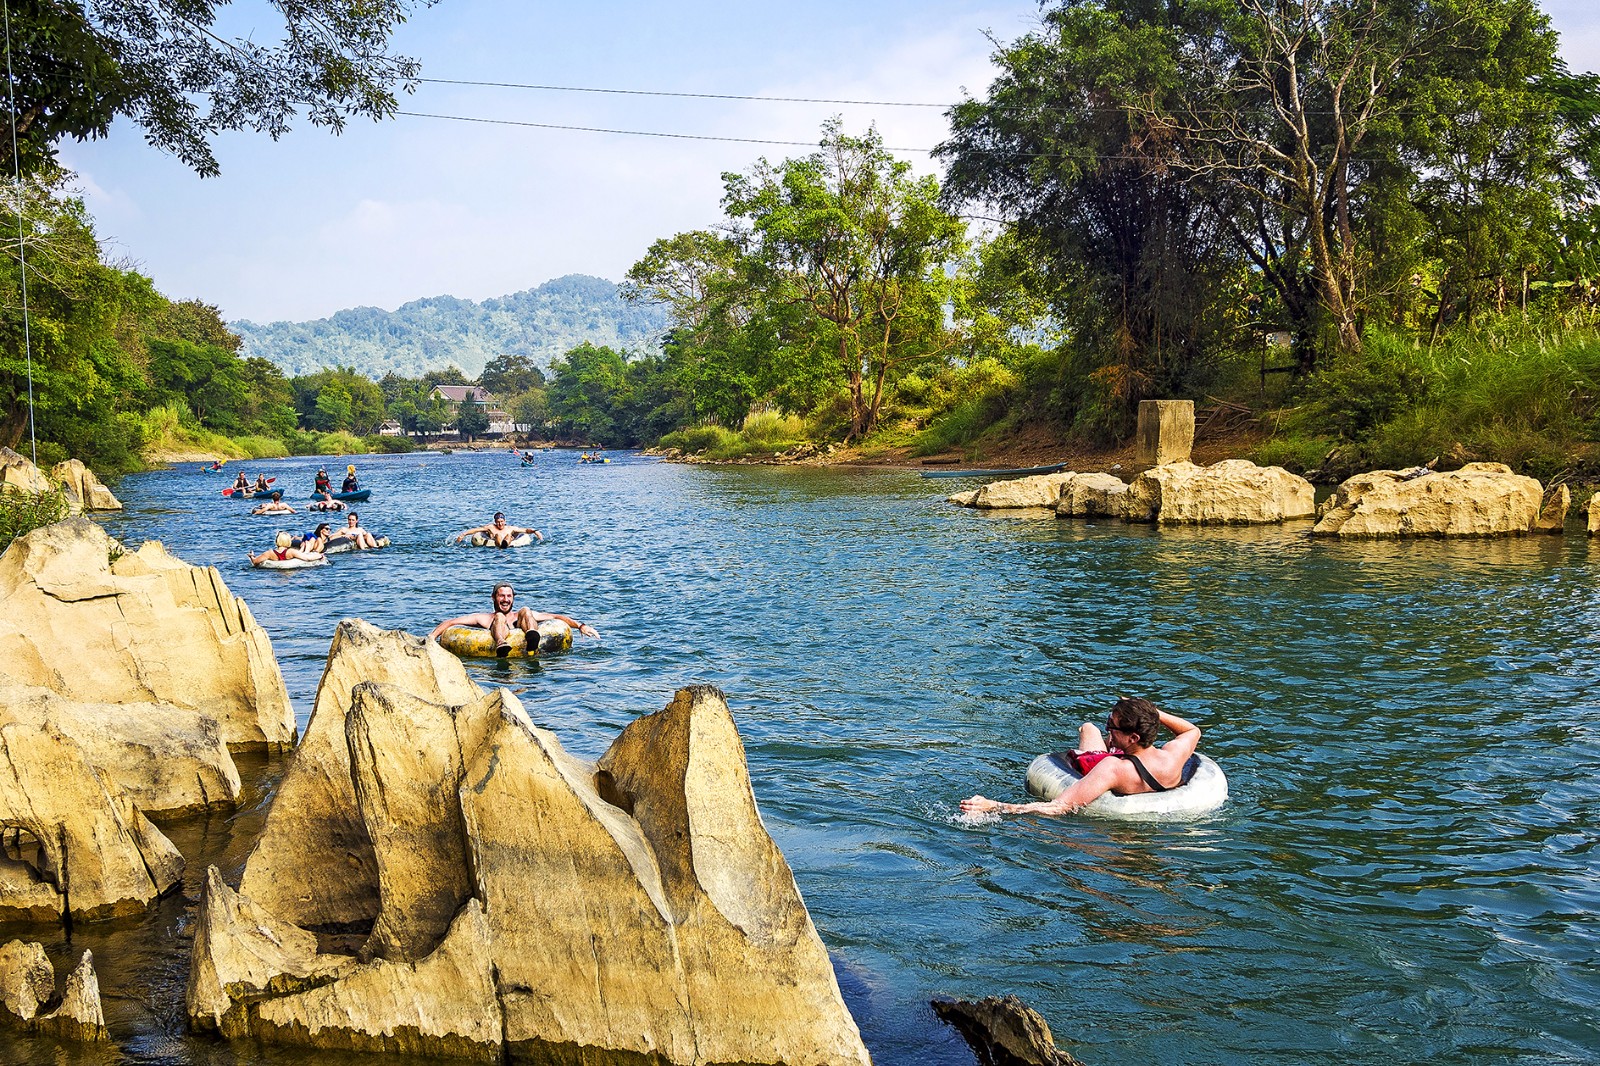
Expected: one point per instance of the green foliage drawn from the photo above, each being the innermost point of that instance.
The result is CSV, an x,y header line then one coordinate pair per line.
x,y
22,512
182,79
471,420
714,441
390,445
334,443
771,429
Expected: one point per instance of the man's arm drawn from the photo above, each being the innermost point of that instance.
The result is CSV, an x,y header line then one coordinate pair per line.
x,y
529,529
581,627
469,532
1082,792
1185,735
476,621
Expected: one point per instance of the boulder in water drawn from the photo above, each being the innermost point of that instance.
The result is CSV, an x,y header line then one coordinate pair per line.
x,y
1232,492
1478,500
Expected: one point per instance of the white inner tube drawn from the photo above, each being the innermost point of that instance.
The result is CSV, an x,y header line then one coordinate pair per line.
x,y
1207,789
481,540
345,544
289,564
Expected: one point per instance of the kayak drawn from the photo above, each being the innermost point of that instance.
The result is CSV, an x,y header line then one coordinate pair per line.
x,y
472,643
245,494
1015,472
359,496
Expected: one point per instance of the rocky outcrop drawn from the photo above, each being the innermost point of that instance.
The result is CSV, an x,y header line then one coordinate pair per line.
x,y
163,759
1093,496
1593,515
83,490
1478,500
1232,492
1004,1031
27,980
1036,490
18,472
95,855
1553,510
315,811
531,904
90,622
79,1017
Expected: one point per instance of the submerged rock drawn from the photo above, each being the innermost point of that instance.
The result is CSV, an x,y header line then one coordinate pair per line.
x,y
1232,492
531,904
1093,496
1035,490
27,980
81,617
1478,500
315,812
1004,1031
79,1017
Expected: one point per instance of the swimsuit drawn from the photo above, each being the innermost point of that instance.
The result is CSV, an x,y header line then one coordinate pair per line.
x,y
1084,761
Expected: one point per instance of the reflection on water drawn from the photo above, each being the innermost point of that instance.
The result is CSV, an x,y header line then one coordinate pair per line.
x,y
1406,870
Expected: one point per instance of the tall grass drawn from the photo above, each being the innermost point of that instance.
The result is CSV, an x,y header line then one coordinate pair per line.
x,y
22,512
1516,394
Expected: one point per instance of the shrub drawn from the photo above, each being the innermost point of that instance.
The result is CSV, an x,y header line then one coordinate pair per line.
x,y
771,429
390,445
700,439
21,512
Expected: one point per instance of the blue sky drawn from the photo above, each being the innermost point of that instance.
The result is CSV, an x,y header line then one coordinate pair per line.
x,y
414,207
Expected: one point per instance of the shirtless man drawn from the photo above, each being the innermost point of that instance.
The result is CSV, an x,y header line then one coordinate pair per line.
x,y
1125,771
352,531
274,506
500,534
505,617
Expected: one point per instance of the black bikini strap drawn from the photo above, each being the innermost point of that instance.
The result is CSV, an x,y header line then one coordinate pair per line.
x,y
1155,785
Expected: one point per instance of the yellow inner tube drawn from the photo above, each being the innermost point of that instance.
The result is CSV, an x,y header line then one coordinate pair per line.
x,y
469,642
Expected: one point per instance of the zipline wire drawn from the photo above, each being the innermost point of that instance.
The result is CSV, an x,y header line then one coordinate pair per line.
x,y
22,238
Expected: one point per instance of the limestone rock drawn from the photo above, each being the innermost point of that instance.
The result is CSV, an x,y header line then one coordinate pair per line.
x,y
27,980
1232,492
1004,1031
83,490
18,472
315,811
146,628
79,1017
1594,514
1478,500
708,953
100,855
1036,490
442,1005
963,499
1165,434
1553,510
243,953
407,765
162,759
1093,496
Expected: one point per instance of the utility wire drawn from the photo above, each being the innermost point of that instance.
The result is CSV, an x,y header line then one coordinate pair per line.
x,y
22,238
627,133
680,96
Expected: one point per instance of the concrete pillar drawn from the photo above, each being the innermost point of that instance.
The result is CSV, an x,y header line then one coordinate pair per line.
x,y
1166,432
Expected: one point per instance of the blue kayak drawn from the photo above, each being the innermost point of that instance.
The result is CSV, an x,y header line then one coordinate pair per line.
x,y
1017,472
359,496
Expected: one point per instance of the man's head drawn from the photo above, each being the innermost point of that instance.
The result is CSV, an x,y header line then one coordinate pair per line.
x,y
499,519
1133,715
504,597
276,496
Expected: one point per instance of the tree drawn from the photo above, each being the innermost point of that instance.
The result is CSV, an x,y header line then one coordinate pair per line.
x,y
471,419
166,64
851,238
510,373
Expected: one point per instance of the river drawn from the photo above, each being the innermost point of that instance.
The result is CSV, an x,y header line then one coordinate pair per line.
x,y
1406,870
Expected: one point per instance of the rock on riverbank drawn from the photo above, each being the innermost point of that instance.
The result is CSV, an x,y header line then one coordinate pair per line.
x,y
1478,500
522,901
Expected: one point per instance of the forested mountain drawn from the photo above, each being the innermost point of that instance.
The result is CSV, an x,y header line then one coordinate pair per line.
x,y
433,333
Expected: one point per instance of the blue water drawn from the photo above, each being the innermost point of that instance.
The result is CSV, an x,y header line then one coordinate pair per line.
x,y
1406,871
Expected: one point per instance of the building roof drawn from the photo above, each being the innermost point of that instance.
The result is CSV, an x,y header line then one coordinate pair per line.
x,y
458,393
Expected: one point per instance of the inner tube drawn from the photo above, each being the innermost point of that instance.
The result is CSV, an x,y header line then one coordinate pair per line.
x,y
481,540
288,564
469,642
1205,790
348,545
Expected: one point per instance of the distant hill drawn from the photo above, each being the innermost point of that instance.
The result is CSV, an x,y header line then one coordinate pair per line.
x,y
434,333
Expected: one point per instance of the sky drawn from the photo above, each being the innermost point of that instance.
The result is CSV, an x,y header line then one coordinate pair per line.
x,y
413,207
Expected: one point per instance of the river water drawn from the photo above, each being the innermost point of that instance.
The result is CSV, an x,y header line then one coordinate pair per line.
x,y
1406,870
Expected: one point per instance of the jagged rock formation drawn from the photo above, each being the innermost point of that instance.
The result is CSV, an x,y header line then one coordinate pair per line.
x,y
1035,490
1478,500
1093,496
315,811
18,472
1004,1031
523,902
83,490
90,622
27,984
